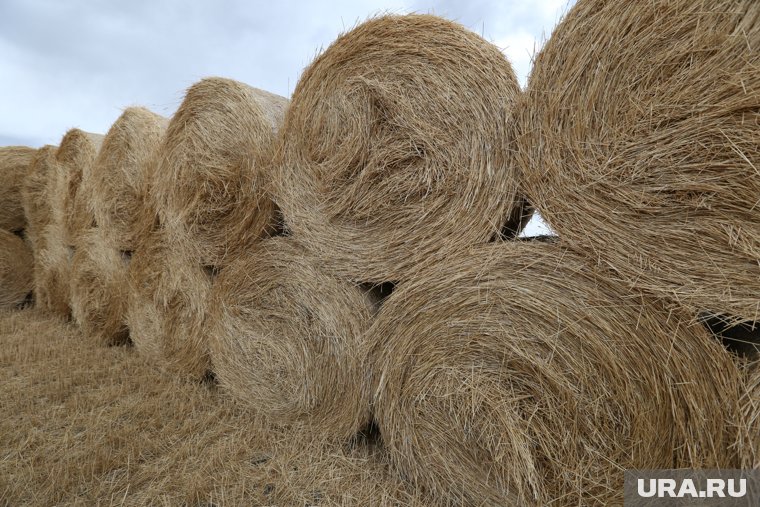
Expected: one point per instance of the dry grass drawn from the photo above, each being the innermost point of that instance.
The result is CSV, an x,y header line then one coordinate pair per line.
x,y
288,339
89,425
14,166
515,374
34,197
394,151
113,190
99,288
748,442
114,186
639,143
211,196
16,270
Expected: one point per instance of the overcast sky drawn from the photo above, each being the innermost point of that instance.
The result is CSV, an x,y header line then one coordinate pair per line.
x,y
79,63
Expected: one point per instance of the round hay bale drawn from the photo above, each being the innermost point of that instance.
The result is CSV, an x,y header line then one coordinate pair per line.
x,y
16,270
34,196
99,287
75,156
514,374
288,340
748,443
639,144
213,168
114,185
395,148
14,166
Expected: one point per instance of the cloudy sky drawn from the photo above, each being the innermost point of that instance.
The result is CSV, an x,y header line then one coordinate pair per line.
x,y
78,63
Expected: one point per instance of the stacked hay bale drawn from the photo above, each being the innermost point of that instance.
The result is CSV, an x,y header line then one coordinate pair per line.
x,y
288,339
387,167
34,197
515,374
16,270
16,259
14,166
69,219
111,191
642,150
211,200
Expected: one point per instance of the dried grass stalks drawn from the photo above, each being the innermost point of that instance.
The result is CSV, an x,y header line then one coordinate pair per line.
x,y
643,149
34,197
14,166
394,149
75,156
114,190
69,218
211,183
748,443
288,339
99,287
514,374
16,270
115,184
210,191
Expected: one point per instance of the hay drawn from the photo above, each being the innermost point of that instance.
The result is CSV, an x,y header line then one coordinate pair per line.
x,y
16,270
748,442
394,148
210,192
99,287
53,273
86,425
514,374
114,190
288,339
75,156
34,197
14,165
114,186
210,187
639,143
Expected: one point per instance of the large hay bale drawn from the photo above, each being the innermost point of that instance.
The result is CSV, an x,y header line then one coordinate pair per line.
x,y
114,190
34,196
514,374
14,166
16,270
395,148
211,196
639,143
114,184
210,186
99,286
75,156
288,340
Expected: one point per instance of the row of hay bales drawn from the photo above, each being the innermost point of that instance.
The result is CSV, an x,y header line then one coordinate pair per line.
x,y
255,240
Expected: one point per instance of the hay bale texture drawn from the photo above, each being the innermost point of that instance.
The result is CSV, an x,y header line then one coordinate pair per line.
x,y
114,192
75,157
514,374
748,442
288,339
211,197
14,166
211,182
69,219
395,148
639,142
16,270
34,198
